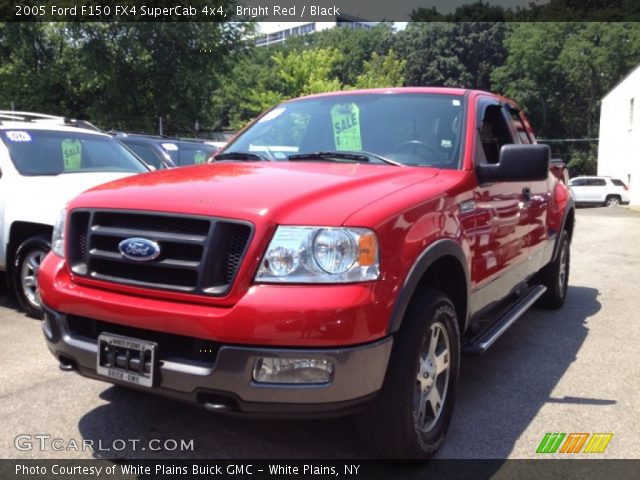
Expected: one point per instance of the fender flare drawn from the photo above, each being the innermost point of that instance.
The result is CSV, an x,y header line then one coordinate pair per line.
x,y
569,209
438,249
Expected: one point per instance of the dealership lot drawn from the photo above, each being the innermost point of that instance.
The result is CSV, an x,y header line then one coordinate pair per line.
x,y
572,370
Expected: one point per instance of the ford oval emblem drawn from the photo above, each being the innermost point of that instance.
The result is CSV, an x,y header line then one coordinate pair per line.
x,y
139,249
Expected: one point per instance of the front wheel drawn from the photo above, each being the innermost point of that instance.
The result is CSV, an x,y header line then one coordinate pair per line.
x,y
411,415
27,261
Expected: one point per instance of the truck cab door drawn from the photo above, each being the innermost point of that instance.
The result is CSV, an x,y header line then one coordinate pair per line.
x,y
537,200
500,251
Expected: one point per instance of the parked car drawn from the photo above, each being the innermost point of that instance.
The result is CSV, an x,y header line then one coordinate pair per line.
x,y
599,191
219,139
392,230
163,152
44,162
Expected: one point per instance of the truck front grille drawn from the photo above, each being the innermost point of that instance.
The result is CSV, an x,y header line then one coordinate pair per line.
x,y
199,255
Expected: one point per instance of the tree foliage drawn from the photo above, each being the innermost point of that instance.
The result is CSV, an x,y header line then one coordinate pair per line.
x,y
121,75
382,71
451,54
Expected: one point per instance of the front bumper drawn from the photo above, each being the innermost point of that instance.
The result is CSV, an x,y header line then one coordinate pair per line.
x,y
226,385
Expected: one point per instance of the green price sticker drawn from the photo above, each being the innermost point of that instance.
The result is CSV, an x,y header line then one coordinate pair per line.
x,y
346,126
199,157
72,154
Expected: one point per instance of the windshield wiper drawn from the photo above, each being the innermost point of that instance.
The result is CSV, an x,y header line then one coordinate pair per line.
x,y
361,157
240,156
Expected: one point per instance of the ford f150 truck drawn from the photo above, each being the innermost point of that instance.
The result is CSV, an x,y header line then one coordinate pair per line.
x,y
339,256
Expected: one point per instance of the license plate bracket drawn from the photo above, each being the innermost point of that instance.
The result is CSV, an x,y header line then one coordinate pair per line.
x,y
127,359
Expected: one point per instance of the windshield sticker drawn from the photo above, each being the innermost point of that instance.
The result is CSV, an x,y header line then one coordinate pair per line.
x,y
18,136
72,154
346,126
170,147
273,114
199,157
455,103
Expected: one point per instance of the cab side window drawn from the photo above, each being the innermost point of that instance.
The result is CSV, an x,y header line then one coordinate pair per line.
x,y
493,134
518,126
596,182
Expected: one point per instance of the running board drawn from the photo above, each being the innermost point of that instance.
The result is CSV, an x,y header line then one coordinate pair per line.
x,y
481,342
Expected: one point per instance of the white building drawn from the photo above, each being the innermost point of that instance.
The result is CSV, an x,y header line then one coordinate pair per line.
x,y
619,144
277,32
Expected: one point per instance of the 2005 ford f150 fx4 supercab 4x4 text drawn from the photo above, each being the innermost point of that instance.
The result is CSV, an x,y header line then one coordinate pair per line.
x,y
339,256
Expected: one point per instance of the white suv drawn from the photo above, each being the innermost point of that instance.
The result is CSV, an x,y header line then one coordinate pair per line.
x,y
599,191
45,161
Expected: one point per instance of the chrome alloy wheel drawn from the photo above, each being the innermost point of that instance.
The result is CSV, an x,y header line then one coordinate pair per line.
x,y
432,380
29,276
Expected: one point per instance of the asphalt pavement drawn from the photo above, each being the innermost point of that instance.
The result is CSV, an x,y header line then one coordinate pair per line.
x,y
572,370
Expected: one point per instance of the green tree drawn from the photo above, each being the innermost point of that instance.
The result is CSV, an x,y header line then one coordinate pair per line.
x,y
307,71
382,71
451,54
262,78
355,46
532,75
33,72
120,75
559,72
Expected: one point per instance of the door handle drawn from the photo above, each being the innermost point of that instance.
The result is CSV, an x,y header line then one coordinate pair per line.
x,y
526,197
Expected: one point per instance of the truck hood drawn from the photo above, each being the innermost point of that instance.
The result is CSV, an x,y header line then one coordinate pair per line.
x,y
39,199
284,193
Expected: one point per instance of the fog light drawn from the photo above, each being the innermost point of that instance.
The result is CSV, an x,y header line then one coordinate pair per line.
x,y
292,370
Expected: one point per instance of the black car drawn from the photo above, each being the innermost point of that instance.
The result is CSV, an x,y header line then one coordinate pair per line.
x,y
162,152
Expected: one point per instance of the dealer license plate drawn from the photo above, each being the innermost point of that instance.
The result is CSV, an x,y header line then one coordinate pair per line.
x,y
126,359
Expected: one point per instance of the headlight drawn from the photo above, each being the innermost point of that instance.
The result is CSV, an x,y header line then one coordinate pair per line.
x,y
320,255
57,239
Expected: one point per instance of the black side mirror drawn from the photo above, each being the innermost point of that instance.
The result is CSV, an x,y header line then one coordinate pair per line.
x,y
518,163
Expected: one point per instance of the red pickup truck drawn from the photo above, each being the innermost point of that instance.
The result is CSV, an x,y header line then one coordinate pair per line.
x,y
339,256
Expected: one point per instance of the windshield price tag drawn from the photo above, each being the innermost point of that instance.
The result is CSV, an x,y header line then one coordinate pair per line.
x,y
346,126
72,154
199,157
18,136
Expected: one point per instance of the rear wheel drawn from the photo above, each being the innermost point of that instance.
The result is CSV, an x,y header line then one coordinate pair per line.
x,y
27,261
555,276
612,201
411,415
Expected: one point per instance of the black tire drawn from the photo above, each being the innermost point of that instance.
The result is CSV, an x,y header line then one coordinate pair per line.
x,y
555,276
392,424
24,273
612,201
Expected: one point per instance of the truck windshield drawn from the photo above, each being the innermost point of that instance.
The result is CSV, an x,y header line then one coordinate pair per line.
x,y
409,129
43,152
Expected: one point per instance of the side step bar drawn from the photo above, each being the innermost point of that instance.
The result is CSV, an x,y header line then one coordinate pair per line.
x,y
481,342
